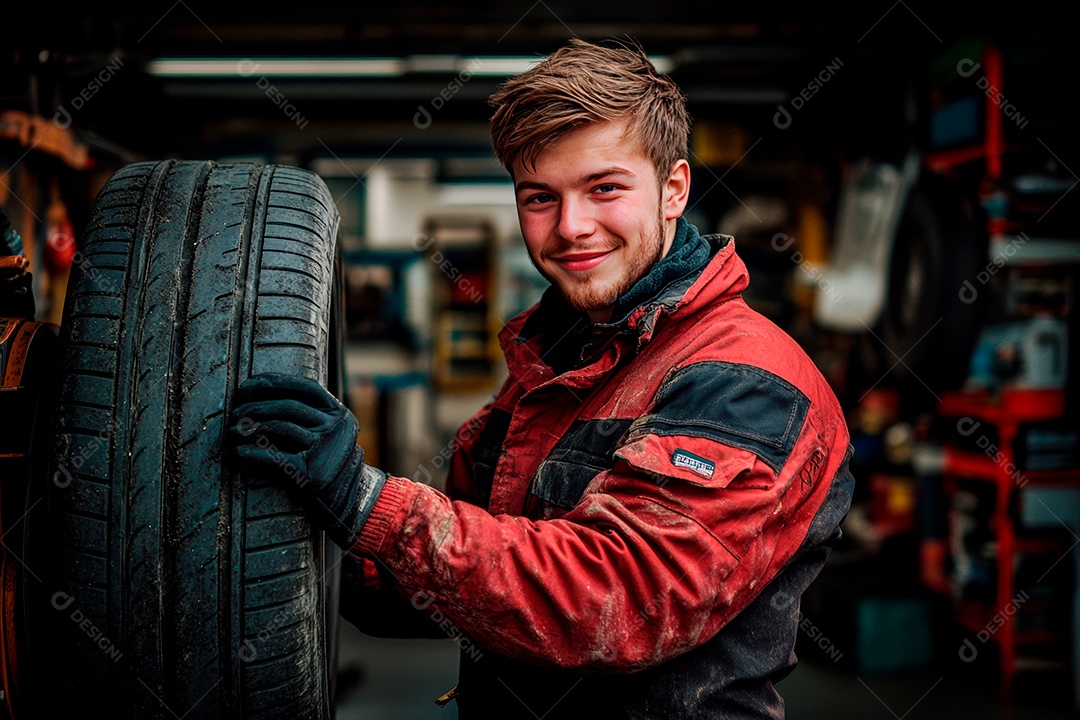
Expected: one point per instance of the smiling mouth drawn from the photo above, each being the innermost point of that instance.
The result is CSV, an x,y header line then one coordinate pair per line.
x,y
579,262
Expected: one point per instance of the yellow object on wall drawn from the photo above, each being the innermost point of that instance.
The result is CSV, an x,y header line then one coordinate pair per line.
x,y
717,144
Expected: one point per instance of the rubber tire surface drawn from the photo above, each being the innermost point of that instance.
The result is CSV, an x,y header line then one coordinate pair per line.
x,y
176,588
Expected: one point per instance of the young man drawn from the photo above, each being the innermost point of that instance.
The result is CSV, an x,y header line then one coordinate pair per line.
x,y
632,520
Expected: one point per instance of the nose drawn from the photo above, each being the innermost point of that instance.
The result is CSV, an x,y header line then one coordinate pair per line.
x,y
575,219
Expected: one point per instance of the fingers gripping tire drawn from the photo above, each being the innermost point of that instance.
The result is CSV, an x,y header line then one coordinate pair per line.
x,y
175,587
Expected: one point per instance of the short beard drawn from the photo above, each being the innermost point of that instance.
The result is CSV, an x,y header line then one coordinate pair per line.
x,y
587,299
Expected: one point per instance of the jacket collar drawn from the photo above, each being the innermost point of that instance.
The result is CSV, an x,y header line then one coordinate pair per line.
x,y
554,334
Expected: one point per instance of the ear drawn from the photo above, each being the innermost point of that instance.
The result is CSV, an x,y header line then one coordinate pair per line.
x,y
676,190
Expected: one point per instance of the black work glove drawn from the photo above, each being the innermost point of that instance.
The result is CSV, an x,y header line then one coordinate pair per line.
x,y
292,430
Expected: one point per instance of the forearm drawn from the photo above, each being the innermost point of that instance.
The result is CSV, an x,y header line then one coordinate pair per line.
x,y
621,584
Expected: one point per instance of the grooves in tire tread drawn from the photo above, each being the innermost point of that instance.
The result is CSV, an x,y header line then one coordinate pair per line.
x,y
203,591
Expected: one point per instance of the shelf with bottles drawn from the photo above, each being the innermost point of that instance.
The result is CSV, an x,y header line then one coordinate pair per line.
x,y
996,565
978,133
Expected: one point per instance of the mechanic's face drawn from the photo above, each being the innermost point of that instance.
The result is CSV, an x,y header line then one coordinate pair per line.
x,y
594,216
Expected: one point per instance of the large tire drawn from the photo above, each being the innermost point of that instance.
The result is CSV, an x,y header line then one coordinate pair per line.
x,y
174,587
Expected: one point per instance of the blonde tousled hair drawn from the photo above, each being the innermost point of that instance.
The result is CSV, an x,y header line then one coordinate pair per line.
x,y
583,83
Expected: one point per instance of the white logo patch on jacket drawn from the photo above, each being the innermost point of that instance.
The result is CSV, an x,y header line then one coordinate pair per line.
x,y
684,459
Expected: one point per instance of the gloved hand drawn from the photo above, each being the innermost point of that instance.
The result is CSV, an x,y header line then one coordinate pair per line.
x,y
293,430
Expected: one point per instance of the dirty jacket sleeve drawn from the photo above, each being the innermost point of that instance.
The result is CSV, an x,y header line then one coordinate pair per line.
x,y
651,562
369,600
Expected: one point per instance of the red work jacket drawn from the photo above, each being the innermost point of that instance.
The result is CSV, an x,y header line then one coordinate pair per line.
x,y
619,515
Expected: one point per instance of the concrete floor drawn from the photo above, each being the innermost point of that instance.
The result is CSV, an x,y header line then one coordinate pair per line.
x,y
400,679
386,679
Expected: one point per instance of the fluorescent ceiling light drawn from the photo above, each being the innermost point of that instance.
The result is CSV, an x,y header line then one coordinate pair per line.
x,y
350,67
481,65
277,67
496,65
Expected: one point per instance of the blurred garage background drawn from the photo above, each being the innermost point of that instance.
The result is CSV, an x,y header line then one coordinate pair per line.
x,y
898,177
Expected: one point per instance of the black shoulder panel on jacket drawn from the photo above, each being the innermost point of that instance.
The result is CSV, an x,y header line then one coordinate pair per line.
x,y
586,450
730,403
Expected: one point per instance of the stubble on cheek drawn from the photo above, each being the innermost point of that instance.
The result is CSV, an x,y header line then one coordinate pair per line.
x,y
593,293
